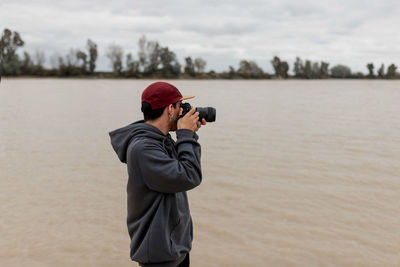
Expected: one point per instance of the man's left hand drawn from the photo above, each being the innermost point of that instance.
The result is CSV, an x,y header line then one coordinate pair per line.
x,y
199,124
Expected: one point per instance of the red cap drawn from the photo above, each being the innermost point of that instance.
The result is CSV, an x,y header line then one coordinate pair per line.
x,y
161,94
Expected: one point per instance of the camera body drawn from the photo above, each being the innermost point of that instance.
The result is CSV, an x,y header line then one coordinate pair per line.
x,y
207,113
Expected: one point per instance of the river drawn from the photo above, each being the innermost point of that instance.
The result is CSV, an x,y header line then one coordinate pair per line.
x,y
295,173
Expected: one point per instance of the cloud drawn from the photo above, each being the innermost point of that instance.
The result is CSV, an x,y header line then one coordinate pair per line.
x,y
222,32
221,27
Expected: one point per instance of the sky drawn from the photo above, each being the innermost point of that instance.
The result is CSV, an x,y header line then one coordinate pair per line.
x,y
349,32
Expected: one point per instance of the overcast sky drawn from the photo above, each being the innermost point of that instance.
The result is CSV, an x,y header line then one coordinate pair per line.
x,y
221,32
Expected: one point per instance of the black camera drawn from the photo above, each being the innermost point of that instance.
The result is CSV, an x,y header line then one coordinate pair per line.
x,y
208,113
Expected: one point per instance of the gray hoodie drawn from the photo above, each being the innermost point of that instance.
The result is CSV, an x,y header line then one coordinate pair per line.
x,y
160,172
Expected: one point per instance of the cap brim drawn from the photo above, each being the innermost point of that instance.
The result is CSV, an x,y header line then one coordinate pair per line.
x,y
186,97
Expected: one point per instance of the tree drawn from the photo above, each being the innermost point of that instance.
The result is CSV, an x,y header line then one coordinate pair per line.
x,y
232,72
307,70
315,71
212,74
62,68
298,68
370,67
155,59
249,69
381,71
68,65
391,71
154,51
281,67
199,65
38,67
341,71
149,56
72,60
358,75
189,67
276,62
83,57
132,66
324,69
244,69
311,70
9,60
170,65
27,64
92,50
115,54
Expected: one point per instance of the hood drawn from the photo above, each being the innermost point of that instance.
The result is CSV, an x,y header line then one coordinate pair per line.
x,y
121,138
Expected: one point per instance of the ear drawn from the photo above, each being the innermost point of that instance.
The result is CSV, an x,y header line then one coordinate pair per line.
x,y
169,109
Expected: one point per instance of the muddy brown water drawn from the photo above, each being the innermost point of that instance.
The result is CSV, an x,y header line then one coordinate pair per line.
x,y
295,173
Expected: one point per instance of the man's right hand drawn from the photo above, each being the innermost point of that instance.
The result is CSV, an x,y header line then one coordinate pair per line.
x,y
190,121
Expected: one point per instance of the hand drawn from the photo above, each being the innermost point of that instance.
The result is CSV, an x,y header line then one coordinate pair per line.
x,y
203,122
190,121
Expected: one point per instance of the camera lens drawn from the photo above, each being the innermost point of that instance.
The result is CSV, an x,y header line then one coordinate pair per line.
x,y
208,113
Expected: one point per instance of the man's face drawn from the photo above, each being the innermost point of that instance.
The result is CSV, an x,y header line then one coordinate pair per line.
x,y
176,111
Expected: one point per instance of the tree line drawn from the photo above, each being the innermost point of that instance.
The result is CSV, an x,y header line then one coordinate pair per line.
x,y
156,61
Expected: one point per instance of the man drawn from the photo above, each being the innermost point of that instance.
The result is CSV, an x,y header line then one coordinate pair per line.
x,y
160,172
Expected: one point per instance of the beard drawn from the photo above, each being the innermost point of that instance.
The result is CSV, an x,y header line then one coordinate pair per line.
x,y
173,124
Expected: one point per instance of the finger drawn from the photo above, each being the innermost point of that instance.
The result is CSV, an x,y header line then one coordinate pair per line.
x,y
192,111
180,111
198,125
203,121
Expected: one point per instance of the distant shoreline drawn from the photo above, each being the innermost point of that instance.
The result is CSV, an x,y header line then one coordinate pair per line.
x,y
185,79
158,62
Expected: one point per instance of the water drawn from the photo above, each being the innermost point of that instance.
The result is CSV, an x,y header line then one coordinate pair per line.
x,y
296,173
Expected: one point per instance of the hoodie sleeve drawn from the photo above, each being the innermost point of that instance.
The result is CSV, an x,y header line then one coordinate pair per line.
x,y
164,174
